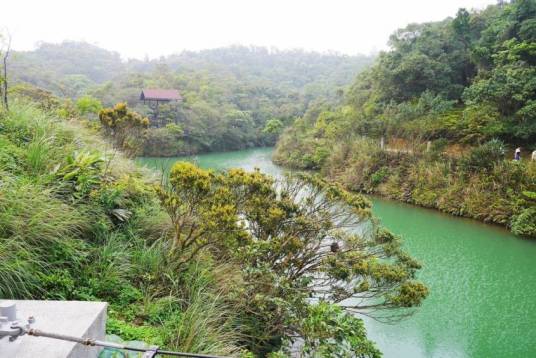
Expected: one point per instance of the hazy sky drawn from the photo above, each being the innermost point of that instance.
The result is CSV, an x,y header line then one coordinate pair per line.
x,y
159,27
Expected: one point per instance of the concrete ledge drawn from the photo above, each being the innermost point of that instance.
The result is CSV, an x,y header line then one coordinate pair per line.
x,y
75,318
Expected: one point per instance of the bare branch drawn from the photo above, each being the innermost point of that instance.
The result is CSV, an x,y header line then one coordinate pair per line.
x,y
5,72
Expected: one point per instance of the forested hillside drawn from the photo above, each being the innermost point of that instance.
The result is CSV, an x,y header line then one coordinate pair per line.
x,y
451,99
229,94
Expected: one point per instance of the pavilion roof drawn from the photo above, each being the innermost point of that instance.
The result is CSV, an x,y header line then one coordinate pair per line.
x,y
158,94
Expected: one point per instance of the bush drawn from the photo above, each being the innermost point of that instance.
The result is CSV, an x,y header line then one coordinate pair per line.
x,y
485,156
131,332
524,224
88,105
125,127
438,148
10,156
168,141
379,176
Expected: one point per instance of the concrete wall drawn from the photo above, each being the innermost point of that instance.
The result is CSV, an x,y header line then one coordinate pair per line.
x,y
75,318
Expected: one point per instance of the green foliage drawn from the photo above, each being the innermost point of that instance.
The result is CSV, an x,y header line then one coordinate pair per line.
x,y
331,332
174,129
18,267
205,326
54,246
131,332
125,127
481,64
38,229
485,156
273,126
88,105
52,61
168,141
10,157
229,94
83,171
481,184
379,176
45,99
477,124
224,271
269,231
207,262
467,85
524,224
199,209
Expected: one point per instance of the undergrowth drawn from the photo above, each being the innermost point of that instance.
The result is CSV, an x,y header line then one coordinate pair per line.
x,y
78,221
481,184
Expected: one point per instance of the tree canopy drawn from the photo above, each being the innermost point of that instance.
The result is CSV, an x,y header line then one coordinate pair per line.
x,y
449,98
229,94
294,240
469,78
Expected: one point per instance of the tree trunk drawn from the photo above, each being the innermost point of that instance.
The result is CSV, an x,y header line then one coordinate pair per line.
x,y
4,82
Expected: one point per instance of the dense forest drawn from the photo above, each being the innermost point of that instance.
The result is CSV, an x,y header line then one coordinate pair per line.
x,y
434,121
229,94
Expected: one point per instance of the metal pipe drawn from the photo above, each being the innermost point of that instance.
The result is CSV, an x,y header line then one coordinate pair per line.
x,y
93,342
84,341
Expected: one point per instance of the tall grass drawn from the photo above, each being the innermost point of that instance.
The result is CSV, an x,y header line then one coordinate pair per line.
x,y
58,245
31,213
38,152
207,323
18,266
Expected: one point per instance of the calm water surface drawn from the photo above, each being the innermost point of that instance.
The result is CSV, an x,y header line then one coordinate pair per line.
x,y
482,299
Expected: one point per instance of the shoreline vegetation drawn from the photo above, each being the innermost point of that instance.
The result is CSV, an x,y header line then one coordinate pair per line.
x,y
502,193
433,121
206,262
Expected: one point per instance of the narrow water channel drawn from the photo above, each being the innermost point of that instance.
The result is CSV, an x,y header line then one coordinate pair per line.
x,y
483,294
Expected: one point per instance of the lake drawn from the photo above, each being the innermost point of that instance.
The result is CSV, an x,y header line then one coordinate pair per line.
x,y
482,299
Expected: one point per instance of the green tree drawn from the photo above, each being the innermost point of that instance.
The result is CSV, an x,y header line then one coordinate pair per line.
x,y
199,208
294,240
125,127
273,126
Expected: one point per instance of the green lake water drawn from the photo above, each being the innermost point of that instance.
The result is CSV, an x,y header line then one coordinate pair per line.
x,y
482,300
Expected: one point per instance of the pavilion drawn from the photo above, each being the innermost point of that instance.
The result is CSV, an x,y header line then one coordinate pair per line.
x,y
154,96
157,95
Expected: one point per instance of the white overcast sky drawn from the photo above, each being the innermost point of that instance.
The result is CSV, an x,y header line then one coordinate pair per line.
x,y
160,27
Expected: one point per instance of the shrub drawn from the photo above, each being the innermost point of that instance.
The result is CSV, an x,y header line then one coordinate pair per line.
x,y
132,332
524,224
485,156
10,156
326,330
379,176
88,105
125,127
167,141
438,148
81,172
